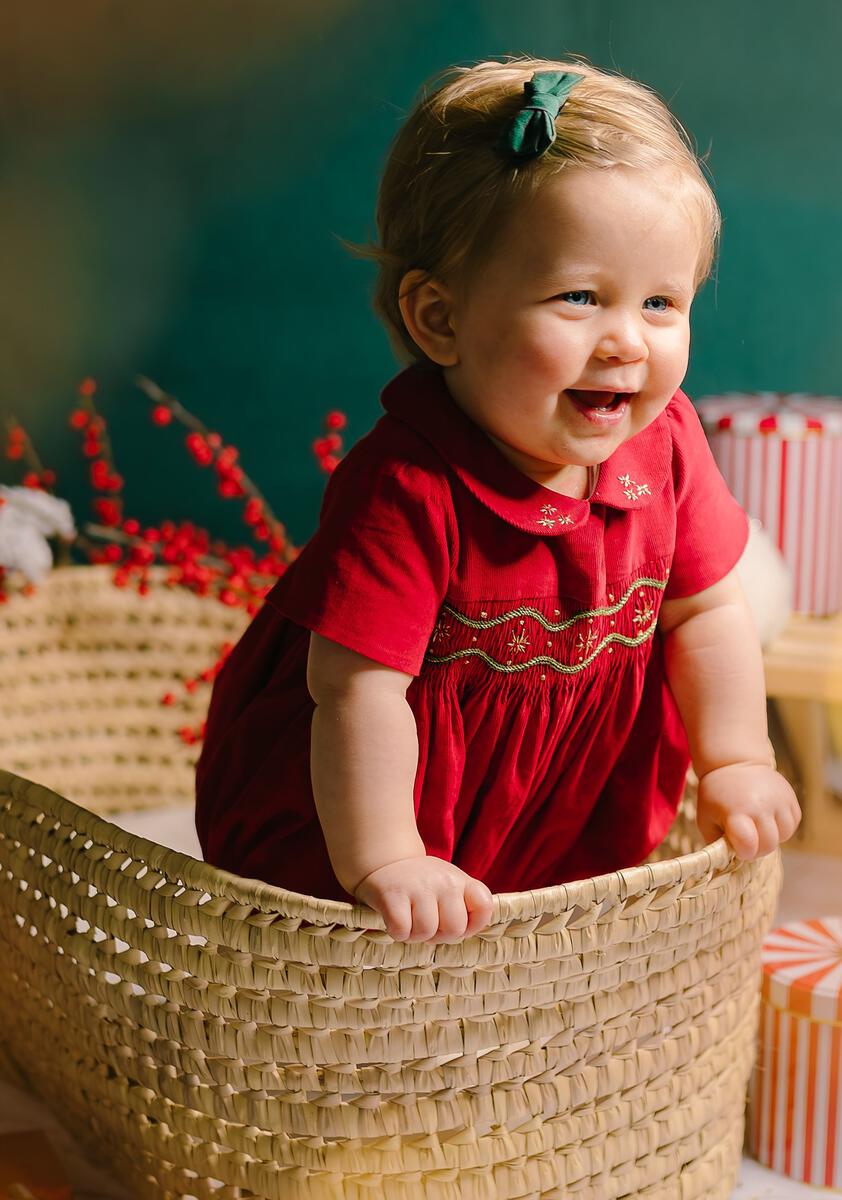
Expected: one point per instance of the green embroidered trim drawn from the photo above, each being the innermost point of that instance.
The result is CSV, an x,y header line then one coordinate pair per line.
x,y
544,660
553,626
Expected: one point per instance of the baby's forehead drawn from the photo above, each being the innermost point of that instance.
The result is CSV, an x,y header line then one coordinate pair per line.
x,y
659,251
580,218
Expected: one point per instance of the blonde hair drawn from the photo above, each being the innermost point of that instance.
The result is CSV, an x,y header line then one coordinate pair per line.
x,y
446,188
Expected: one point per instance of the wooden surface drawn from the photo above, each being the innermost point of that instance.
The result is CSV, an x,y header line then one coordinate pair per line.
x,y
804,675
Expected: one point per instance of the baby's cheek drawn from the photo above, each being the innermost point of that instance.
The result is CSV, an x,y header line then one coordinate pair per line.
x,y
535,351
644,412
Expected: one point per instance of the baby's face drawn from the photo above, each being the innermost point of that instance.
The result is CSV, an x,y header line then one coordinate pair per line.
x,y
586,293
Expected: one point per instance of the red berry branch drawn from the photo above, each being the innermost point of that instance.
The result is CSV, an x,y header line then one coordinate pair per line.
x,y
19,447
238,576
97,446
328,447
207,449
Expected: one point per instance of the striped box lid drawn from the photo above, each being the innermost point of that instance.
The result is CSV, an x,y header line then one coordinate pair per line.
x,y
788,414
802,969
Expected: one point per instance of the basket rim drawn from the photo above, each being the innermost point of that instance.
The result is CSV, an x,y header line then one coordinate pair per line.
x,y
717,857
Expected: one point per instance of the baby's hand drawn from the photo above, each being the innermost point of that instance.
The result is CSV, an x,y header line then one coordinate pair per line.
x,y
751,804
426,899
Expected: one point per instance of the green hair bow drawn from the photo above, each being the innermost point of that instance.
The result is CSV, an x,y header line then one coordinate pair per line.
x,y
532,130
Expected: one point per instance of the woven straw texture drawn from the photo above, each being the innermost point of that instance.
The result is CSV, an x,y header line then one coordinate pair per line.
x,y
83,667
210,1036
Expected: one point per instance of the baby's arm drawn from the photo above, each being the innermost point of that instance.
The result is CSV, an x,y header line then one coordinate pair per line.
x,y
364,756
714,667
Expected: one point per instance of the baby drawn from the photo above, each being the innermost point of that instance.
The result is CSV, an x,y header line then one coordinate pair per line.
x,y
519,619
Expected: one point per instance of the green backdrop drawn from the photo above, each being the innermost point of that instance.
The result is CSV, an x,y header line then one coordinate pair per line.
x,y
174,179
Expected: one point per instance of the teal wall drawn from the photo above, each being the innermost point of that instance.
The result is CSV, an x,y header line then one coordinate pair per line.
x,y
173,181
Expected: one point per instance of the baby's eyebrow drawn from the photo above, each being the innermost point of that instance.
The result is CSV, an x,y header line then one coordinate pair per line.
x,y
673,286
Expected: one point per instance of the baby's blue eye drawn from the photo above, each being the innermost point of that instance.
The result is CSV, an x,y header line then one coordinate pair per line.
x,y
663,300
567,295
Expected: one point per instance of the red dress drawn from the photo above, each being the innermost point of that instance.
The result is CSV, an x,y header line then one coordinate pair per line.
x,y
550,747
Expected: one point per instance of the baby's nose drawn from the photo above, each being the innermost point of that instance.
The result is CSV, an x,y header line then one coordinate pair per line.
x,y
622,339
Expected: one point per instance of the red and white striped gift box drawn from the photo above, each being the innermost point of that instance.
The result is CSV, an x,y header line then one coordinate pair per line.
x,y
795,1102
781,456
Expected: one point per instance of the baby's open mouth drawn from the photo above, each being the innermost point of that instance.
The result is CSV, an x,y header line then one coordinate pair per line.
x,y
603,400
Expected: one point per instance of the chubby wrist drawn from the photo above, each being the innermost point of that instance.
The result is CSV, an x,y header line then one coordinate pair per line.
x,y
767,762
352,872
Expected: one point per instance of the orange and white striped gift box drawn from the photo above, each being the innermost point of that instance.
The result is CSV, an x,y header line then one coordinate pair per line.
x,y
795,1100
781,456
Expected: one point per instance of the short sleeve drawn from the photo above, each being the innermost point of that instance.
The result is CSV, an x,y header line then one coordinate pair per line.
x,y
374,574
711,527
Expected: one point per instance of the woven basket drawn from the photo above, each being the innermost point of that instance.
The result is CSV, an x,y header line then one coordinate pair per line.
x,y
83,667
210,1036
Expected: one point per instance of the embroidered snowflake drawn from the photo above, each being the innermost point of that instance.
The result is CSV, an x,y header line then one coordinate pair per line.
x,y
644,612
519,642
633,490
549,520
441,631
587,642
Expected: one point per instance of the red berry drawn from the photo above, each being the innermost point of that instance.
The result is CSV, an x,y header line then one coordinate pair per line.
x,y
107,511
161,414
87,387
113,553
168,698
253,511
131,526
334,441
79,418
336,420
330,462
151,535
31,480
14,451
48,478
214,440
17,434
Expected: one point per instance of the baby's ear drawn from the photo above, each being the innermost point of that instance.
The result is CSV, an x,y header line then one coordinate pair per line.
x,y
426,307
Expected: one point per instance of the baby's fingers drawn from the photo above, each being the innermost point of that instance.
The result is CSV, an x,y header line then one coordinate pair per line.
x,y
753,837
478,901
788,820
396,911
742,832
